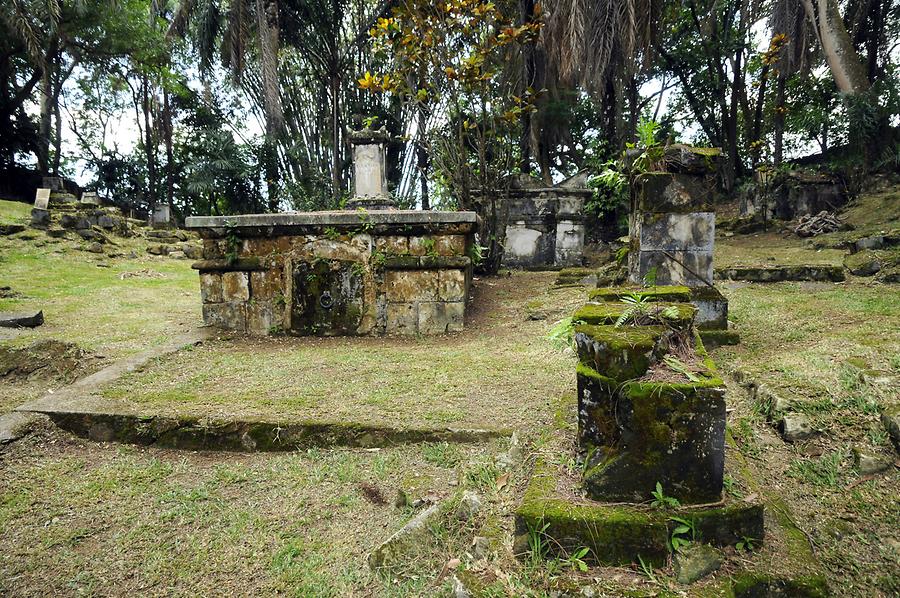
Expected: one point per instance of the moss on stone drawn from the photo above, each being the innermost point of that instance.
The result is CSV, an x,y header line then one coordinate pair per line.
x,y
608,312
753,584
619,353
718,338
675,293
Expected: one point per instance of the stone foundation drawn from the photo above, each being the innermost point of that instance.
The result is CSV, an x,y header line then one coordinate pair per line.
x,y
337,273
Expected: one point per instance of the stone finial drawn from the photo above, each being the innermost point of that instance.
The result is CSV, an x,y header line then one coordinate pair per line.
x,y
369,173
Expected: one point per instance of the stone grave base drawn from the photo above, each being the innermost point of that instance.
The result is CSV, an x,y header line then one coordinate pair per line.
x,y
617,533
625,534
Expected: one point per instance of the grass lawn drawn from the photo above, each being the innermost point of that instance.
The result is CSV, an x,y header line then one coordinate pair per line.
x,y
501,372
770,249
834,351
14,212
110,306
88,519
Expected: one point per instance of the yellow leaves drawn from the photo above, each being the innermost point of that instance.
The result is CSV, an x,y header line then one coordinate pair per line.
x,y
451,72
374,83
368,81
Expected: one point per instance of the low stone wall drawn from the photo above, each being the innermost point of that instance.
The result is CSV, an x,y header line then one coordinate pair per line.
x,y
337,273
545,227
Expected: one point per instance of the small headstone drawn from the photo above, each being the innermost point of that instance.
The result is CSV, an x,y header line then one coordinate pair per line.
x,y
794,427
469,506
90,197
42,199
53,183
696,562
162,215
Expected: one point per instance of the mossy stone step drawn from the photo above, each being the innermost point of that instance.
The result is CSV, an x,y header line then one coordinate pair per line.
x,y
618,534
608,312
674,293
816,273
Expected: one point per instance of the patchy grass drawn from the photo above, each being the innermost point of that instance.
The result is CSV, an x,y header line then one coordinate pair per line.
x,y
835,351
501,372
808,340
94,301
14,212
83,518
770,249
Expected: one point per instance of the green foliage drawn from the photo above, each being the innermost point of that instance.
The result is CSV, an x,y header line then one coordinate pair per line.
x,y
683,534
232,242
661,501
562,333
824,472
647,570
746,543
676,365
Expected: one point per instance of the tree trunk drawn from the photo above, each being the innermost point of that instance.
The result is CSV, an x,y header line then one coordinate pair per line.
x,y
167,136
778,124
337,157
846,67
46,107
149,149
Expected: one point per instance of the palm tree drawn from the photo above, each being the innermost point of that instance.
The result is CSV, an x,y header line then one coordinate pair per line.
x,y
243,19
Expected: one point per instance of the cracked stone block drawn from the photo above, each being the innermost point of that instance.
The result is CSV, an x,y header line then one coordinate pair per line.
x,y
688,268
452,285
402,286
675,232
266,284
439,317
211,287
450,245
262,317
392,245
232,316
674,192
235,286
401,318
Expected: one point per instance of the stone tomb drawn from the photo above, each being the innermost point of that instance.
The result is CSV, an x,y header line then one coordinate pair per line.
x,y
673,221
336,273
545,225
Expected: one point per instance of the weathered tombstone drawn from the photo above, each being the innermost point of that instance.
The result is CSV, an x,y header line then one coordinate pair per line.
x,y
544,225
162,216
369,176
91,198
53,183
42,199
673,220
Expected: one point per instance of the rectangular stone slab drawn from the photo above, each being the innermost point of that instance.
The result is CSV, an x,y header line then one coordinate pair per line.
x,y
675,232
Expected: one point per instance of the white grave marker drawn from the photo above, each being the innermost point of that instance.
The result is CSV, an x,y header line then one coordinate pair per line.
x,y
42,199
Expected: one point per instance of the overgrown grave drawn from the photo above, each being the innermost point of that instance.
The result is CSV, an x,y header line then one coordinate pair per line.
x,y
645,482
